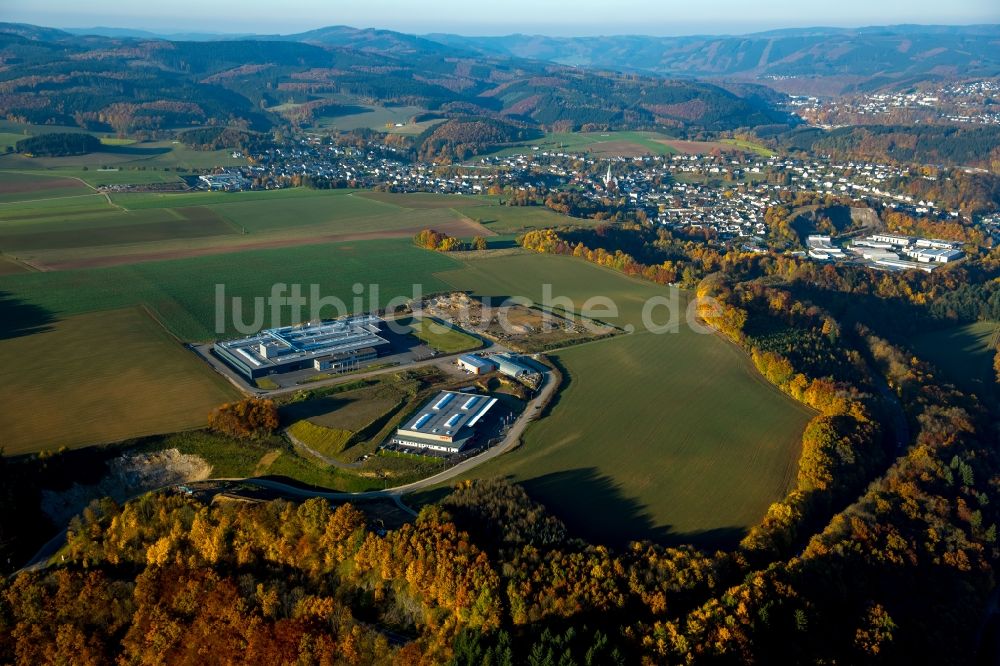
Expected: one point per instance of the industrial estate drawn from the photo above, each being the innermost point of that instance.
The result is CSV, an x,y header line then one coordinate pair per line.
x,y
334,345
446,423
886,251
687,355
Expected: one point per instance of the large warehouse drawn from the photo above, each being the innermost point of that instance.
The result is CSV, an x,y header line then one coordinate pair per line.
x,y
332,345
445,423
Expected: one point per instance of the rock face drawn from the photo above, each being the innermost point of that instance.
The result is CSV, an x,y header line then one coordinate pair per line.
x,y
128,475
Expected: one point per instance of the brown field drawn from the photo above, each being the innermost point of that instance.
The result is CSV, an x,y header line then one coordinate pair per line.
x,y
9,266
459,227
699,147
23,184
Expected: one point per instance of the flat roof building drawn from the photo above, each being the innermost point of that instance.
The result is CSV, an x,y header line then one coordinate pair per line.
x,y
327,345
445,423
477,365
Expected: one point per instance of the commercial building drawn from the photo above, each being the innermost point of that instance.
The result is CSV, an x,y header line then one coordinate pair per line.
x,y
823,249
332,345
512,366
475,364
445,423
933,255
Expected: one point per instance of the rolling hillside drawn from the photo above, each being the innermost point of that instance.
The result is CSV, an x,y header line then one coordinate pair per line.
x,y
827,60
127,84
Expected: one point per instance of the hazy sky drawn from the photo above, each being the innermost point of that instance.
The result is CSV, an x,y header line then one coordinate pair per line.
x,y
554,17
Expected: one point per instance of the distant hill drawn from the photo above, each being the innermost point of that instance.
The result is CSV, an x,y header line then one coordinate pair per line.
x,y
830,60
125,84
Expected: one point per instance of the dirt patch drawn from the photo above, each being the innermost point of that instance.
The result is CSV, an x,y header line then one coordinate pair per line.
x,y
42,184
266,461
459,227
128,475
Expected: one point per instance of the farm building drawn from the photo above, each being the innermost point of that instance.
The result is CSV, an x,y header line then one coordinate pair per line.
x,y
475,364
445,423
512,366
331,345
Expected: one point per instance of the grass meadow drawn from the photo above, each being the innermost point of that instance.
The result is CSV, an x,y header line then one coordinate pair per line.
x,y
673,436
438,336
101,377
181,292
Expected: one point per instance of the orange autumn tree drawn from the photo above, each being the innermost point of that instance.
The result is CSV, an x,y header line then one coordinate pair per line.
x,y
247,419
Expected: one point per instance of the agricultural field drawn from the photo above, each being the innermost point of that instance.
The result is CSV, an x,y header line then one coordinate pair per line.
x,y
517,219
9,267
963,354
182,292
87,230
382,118
599,144
20,187
418,200
98,377
671,436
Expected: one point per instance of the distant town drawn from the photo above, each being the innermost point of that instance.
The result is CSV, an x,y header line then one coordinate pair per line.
x,y
723,196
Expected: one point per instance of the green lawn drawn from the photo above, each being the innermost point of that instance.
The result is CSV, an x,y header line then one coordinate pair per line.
x,y
99,377
671,436
439,336
963,355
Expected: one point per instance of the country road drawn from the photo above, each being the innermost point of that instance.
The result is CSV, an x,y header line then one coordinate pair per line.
x,y
534,407
511,440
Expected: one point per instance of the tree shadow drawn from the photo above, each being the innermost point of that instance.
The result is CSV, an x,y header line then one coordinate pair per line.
x,y
593,507
134,151
19,318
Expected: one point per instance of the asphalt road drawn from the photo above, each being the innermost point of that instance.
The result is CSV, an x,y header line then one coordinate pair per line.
x,y
510,441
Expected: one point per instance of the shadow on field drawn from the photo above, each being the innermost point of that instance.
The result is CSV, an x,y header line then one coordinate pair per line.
x,y
594,508
18,318
134,151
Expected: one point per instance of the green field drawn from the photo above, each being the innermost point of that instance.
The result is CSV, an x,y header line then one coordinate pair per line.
x,y
963,355
596,143
99,377
438,336
518,219
673,436
182,291
382,118
85,230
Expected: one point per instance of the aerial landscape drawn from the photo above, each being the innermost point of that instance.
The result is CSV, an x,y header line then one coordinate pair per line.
x,y
586,334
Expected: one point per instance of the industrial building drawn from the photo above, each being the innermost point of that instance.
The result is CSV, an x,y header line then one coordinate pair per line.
x,y
823,249
475,364
445,423
333,345
887,251
512,366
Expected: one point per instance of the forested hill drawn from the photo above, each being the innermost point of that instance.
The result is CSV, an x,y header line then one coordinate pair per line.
x,y
125,84
833,59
